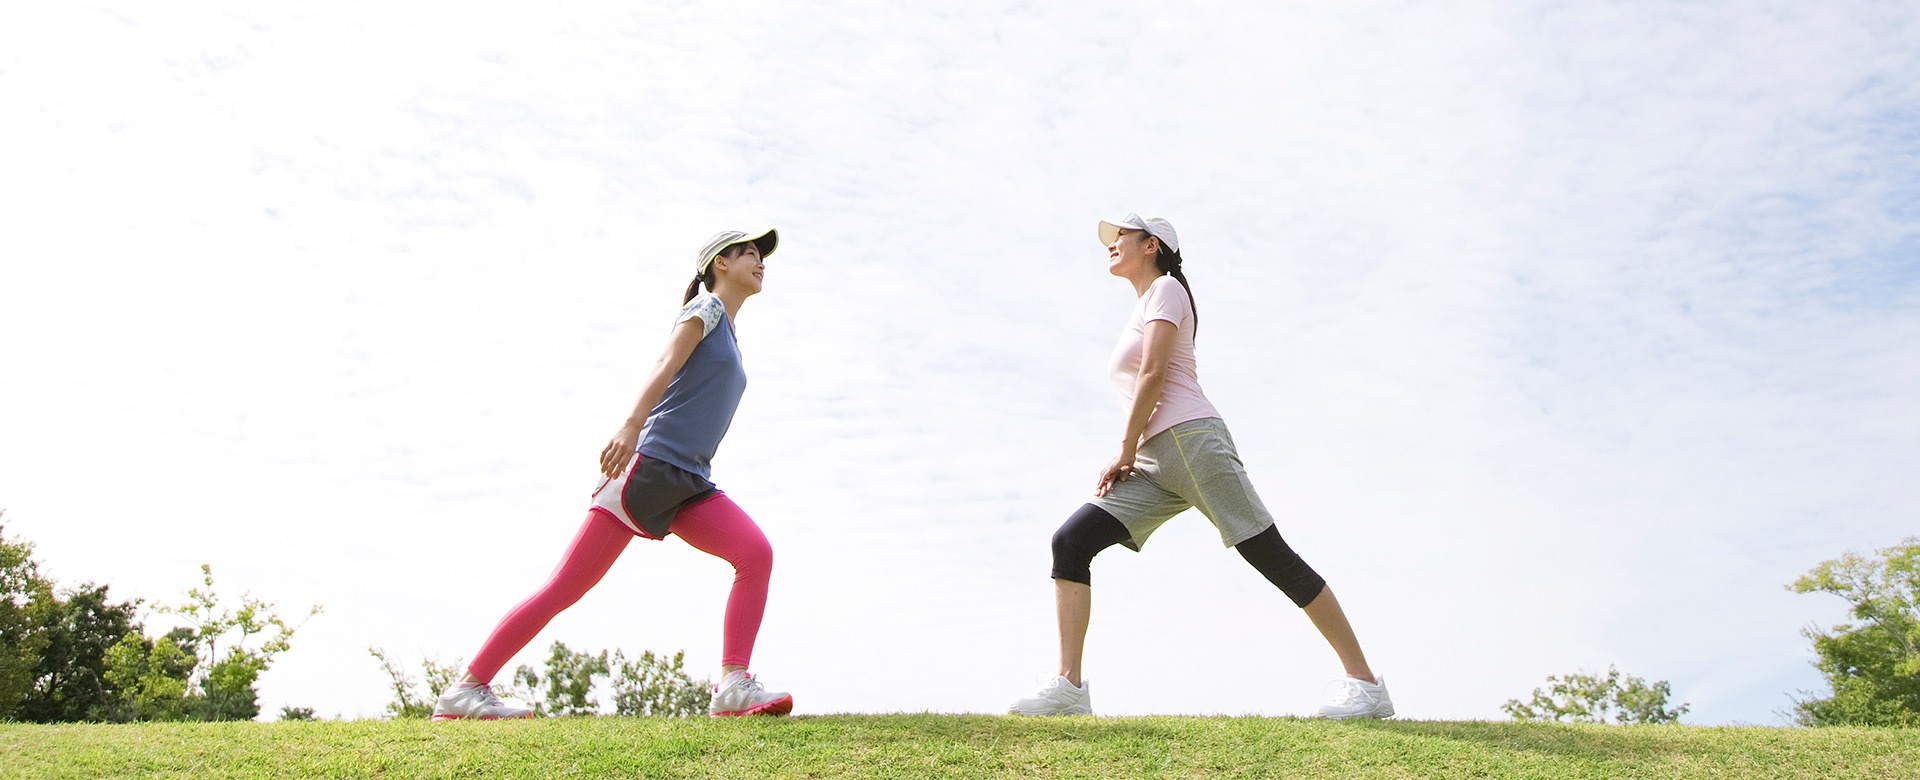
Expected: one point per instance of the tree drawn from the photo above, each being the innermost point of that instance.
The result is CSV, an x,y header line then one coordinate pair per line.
x,y
647,686
70,682
1872,665
77,655
653,686
22,593
1586,698
570,681
222,685
149,676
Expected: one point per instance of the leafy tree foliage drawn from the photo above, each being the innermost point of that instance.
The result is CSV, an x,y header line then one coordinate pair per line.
x,y
1873,664
296,713
646,686
654,686
70,682
149,676
222,683
1587,698
570,680
22,591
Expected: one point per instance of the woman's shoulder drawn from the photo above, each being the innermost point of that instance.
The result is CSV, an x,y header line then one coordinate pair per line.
x,y
704,300
1166,291
705,306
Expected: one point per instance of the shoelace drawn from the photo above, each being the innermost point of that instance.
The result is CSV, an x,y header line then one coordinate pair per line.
x,y
1350,692
488,697
1047,689
748,684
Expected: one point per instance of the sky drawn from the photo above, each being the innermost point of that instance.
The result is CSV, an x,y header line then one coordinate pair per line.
x,y
1557,336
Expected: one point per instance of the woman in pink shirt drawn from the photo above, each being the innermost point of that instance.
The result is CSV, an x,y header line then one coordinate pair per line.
x,y
1176,454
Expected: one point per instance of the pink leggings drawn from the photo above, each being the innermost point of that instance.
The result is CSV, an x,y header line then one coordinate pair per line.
x,y
715,526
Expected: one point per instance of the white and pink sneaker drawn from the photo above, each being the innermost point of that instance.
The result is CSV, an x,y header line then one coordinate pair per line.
x,y
474,701
739,694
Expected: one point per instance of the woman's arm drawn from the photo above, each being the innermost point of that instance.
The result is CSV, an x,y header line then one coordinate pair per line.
x,y
1155,352
619,451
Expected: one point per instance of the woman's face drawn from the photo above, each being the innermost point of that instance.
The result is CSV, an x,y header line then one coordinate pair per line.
x,y
1133,250
742,265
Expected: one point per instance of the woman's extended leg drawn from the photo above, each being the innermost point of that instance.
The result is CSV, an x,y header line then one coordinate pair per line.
x,y
594,549
1361,694
1327,616
599,542
1283,567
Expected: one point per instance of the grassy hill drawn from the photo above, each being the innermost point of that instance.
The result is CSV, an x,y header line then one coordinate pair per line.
x,y
921,746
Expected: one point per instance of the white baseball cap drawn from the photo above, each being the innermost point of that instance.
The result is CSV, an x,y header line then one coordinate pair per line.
x,y
1155,226
765,240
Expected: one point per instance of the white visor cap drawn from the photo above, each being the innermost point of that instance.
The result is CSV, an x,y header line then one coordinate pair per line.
x,y
1155,226
765,240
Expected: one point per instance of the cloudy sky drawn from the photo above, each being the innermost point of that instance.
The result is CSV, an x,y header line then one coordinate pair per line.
x,y
1557,336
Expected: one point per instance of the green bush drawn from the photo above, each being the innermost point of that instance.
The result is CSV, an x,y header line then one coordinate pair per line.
x,y
1587,698
648,685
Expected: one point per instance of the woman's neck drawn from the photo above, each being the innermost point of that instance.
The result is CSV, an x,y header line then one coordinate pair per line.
x,y
731,298
1143,279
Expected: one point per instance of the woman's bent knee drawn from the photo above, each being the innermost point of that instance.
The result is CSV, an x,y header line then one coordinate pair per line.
x,y
755,559
1088,531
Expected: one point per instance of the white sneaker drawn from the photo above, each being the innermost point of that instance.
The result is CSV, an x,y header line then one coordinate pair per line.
x,y
1355,698
740,694
475,701
1057,697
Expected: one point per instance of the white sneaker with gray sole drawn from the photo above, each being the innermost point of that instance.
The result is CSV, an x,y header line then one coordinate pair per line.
x,y
1355,698
739,694
474,702
1057,697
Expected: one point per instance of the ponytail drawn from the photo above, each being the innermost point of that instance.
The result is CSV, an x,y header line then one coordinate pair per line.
x,y
693,288
1168,261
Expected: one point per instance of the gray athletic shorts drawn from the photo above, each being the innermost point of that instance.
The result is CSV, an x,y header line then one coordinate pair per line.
x,y
1192,464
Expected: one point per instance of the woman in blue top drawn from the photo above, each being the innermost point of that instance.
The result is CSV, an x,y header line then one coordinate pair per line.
x,y
657,482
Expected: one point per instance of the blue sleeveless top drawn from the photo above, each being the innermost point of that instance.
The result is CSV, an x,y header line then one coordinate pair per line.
x,y
685,427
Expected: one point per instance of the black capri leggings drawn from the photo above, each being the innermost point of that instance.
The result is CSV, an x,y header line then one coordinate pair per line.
x,y
1091,529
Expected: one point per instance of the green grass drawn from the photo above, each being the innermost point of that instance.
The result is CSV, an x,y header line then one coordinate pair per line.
x,y
919,746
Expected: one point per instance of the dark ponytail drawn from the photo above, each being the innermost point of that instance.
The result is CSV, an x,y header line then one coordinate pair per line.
x,y
693,288
1168,261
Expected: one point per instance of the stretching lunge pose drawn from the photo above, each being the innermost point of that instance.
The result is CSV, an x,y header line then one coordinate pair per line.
x,y
1176,453
684,409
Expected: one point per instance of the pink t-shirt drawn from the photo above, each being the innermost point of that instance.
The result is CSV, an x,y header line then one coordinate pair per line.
x,y
1180,397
